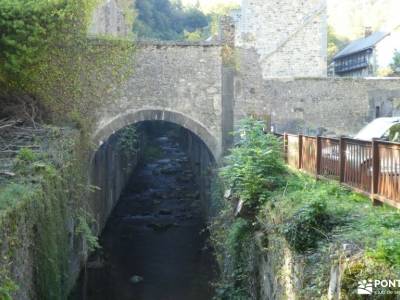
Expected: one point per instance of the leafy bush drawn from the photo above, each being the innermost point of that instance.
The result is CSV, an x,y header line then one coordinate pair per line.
x,y
29,163
14,193
24,162
387,250
128,140
7,287
237,233
307,226
255,167
26,155
28,27
47,60
83,229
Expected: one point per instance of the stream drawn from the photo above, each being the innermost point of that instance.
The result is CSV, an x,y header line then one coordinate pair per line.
x,y
154,246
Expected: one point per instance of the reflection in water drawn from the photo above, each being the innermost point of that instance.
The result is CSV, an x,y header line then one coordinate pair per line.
x,y
154,246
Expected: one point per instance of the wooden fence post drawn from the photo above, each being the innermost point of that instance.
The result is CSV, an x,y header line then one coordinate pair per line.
x,y
286,146
375,172
319,156
342,158
300,151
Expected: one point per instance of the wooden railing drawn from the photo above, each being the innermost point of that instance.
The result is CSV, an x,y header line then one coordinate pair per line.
x,y
371,168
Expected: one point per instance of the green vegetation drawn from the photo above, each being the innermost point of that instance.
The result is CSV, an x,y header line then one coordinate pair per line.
x,y
51,240
39,201
49,68
395,66
170,20
237,243
52,72
322,217
321,222
332,209
84,229
28,27
215,13
234,244
163,20
46,212
7,286
394,134
335,43
307,226
128,140
255,166
11,194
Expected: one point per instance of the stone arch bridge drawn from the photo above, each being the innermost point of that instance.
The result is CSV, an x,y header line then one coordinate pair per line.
x,y
183,83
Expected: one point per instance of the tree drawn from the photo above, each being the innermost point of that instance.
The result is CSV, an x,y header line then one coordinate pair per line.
x,y
395,66
335,43
215,12
165,20
193,36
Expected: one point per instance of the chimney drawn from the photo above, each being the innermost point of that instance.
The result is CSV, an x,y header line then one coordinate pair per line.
x,y
368,31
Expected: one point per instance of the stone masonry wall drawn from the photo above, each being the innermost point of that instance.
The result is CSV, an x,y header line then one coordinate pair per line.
x,y
180,79
290,36
109,19
313,105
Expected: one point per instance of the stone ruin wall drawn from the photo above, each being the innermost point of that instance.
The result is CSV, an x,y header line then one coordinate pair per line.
x,y
290,37
110,19
281,72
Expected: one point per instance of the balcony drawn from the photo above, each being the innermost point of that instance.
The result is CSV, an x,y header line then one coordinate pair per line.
x,y
350,66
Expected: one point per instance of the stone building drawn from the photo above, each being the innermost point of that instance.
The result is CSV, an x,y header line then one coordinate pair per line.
x,y
110,19
289,36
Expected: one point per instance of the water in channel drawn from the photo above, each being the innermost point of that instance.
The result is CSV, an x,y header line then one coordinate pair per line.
x,y
154,246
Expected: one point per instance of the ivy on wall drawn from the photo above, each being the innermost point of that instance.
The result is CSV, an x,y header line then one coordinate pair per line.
x,y
46,54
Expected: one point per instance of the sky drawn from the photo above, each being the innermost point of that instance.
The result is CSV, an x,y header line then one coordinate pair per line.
x,y
350,17
206,4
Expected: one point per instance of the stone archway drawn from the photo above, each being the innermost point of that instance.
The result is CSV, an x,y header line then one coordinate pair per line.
x,y
131,117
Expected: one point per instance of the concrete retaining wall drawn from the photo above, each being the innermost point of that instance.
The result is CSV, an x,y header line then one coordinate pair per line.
x,y
203,164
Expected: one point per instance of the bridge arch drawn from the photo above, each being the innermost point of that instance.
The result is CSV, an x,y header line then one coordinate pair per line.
x,y
104,131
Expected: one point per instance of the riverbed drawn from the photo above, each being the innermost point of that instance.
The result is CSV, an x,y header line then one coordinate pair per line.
x,y
154,246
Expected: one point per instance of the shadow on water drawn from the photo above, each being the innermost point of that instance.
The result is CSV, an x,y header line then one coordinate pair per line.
x,y
154,246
